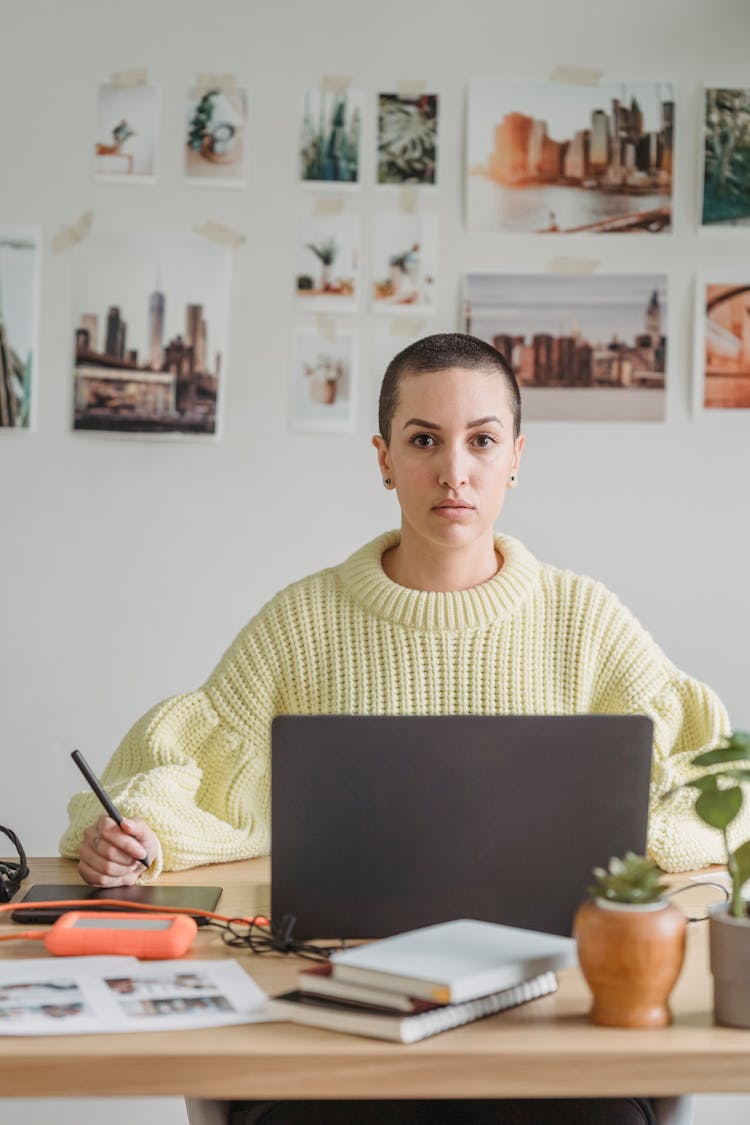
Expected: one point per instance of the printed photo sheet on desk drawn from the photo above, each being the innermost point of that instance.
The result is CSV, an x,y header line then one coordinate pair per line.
x,y
92,995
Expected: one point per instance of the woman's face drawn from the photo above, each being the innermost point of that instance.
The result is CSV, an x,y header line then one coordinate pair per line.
x,y
452,454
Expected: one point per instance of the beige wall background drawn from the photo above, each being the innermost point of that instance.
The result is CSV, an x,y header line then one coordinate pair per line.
x,y
128,566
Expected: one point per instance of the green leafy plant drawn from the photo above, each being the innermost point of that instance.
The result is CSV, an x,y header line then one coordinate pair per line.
x,y
326,252
201,119
634,879
720,799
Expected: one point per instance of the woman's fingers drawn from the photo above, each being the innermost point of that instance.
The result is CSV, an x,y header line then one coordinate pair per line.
x,y
109,857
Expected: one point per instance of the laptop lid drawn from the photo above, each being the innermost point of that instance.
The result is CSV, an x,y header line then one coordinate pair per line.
x,y
382,824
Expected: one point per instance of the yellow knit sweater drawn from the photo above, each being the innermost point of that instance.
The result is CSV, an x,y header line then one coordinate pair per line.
x,y
532,640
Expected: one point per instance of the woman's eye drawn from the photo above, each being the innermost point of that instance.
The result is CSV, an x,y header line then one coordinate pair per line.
x,y
484,440
424,441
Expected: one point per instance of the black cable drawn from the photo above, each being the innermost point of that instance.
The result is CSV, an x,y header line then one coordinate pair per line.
x,y
273,938
12,874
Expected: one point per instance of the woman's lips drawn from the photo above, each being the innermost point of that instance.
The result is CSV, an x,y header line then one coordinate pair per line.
x,y
453,511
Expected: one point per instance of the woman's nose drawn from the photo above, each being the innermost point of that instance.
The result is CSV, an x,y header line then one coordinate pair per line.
x,y
453,470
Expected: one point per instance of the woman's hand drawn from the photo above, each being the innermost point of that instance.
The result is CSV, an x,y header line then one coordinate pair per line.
x,y
110,856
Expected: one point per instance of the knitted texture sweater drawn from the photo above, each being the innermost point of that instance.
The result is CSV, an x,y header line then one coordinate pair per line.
x,y
533,639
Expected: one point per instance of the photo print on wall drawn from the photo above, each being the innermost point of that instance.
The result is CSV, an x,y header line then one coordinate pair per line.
x,y
726,158
547,158
127,132
18,326
323,377
407,138
150,333
330,139
404,263
216,137
587,348
723,345
328,257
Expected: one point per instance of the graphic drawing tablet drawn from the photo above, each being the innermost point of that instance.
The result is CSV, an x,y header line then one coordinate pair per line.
x,y
197,898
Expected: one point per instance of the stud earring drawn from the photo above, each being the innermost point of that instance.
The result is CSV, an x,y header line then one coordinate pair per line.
x,y
387,482
512,478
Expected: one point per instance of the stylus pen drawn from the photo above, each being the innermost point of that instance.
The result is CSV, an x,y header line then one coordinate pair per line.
x,y
101,793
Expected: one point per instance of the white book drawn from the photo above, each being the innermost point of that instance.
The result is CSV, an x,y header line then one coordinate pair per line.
x,y
300,1007
454,961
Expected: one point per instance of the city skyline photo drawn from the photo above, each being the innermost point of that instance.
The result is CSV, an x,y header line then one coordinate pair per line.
x,y
583,347
150,332
551,158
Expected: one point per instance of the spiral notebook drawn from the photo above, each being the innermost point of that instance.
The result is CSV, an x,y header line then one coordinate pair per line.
x,y
333,1015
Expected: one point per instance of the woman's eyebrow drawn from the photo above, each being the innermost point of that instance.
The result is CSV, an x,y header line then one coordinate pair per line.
x,y
469,425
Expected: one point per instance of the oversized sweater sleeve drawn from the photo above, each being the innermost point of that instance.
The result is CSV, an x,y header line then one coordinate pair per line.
x,y
634,676
196,767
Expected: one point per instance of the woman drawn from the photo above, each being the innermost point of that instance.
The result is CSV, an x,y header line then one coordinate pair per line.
x,y
442,617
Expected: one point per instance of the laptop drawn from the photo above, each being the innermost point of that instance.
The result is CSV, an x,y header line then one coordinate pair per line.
x,y
382,824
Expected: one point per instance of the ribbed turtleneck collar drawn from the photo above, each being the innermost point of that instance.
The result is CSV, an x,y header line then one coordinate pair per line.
x,y
365,580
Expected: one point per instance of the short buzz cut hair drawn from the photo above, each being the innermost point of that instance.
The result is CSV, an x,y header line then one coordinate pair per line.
x,y
436,353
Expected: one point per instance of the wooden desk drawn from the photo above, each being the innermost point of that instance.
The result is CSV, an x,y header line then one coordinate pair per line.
x,y
547,1048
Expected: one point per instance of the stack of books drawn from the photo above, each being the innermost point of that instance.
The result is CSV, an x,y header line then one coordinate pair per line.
x,y
417,984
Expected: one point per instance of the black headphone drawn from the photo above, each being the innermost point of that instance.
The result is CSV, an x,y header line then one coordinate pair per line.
x,y
12,874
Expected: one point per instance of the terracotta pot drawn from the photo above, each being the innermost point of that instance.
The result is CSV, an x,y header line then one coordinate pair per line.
x,y
631,957
729,942
323,391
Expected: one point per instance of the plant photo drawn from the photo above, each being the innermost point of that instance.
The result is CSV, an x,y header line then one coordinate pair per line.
x,y
403,252
126,137
150,333
590,348
18,326
330,138
407,139
726,161
322,380
550,158
215,141
328,257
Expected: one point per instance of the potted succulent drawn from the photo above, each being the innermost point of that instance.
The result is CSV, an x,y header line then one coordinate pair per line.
x,y
719,801
326,253
631,944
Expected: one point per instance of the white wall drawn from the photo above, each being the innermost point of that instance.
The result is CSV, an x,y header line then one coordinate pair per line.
x,y
126,566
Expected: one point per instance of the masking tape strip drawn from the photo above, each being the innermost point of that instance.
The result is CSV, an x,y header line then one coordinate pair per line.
x,y
76,232
331,205
225,82
577,75
573,266
408,199
125,78
411,88
408,327
327,327
225,236
334,84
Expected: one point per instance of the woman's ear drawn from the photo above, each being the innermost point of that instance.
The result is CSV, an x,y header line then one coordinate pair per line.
x,y
517,451
384,461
